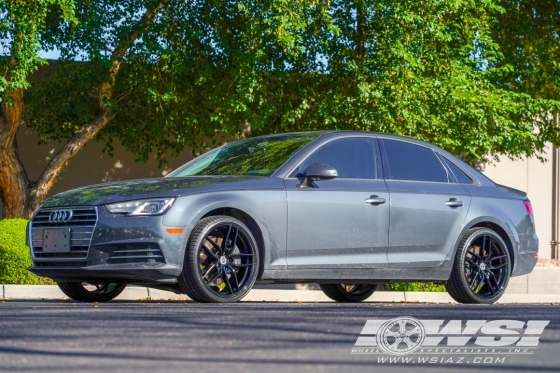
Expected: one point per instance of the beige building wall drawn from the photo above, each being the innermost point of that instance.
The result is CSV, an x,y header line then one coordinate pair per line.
x,y
535,178
90,165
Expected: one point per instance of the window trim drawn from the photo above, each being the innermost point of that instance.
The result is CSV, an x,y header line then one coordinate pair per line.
x,y
387,169
371,139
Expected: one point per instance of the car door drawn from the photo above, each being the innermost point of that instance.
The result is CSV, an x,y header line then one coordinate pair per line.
x,y
331,224
427,206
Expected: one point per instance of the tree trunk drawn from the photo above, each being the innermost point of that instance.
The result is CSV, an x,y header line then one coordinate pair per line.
x,y
21,197
14,183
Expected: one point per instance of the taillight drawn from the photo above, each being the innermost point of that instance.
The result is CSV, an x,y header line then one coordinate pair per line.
x,y
529,207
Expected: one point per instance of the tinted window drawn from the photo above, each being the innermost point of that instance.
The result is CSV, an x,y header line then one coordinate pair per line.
x,y
412,162
255,156
459,174
352,158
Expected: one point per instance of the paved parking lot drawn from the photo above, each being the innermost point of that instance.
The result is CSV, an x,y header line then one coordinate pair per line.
x,y
64,336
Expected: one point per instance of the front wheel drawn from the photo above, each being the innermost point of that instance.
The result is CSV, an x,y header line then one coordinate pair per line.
x,y
481,269
348,292
221,261
91,292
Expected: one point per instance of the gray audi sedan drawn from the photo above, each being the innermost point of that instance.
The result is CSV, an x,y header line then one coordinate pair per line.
x,y
346,210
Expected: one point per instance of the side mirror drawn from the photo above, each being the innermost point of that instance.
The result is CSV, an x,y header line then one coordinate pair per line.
x,y
317,171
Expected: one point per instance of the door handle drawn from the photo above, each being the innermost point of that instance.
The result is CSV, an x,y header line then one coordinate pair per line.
x,y
375,200
454,203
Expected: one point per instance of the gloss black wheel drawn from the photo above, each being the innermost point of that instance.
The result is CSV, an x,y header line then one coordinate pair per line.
x,y
348,292
91,292
221,261
482,268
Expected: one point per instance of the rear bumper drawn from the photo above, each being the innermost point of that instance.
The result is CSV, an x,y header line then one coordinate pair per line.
x,y
139,273
525,259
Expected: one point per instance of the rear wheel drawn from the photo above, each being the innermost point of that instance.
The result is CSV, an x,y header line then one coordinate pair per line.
x,y
481,269
348,292
91,292
221,261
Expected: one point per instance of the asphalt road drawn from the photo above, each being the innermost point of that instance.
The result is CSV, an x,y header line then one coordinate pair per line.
x,y
45,336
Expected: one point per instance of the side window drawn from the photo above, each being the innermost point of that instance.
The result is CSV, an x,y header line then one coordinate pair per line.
x,y
413,162
459,174
351,157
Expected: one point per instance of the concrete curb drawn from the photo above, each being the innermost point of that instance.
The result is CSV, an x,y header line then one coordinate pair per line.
x,y
50,292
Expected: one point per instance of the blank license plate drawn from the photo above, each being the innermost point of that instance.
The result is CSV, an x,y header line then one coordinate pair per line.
x,y
56,240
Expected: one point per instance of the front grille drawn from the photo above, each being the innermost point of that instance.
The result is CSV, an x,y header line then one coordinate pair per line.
x,y
81,224
136,254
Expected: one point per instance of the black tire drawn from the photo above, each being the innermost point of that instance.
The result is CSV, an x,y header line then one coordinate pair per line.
x,y
481,269
348,292
221,261
102,292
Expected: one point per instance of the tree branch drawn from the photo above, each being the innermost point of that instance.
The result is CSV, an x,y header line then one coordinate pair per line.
x,y
105,114
106,88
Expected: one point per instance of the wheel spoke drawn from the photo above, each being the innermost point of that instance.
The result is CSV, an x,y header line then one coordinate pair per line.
x,y
225,277
474,255
208,269
499,266
234,275
489,283
243,265
234,242
226,239
495,281
215,245
416,330
471,262
218,274
396,343
474,284
408,342
484,252
402,326
241,254
390,333
497,257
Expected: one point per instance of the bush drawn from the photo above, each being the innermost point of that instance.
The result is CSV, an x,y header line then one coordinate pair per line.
x,y
15,257
415,286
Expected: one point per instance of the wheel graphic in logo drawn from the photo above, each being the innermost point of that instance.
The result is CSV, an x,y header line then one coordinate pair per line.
x,y
401,336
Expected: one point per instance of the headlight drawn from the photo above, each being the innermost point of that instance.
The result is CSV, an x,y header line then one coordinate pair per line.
x,y
143,207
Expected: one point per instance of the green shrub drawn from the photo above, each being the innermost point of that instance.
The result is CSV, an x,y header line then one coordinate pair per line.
x,y
15,257
415,286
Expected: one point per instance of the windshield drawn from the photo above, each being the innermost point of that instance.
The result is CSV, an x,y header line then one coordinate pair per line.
x,y
259,156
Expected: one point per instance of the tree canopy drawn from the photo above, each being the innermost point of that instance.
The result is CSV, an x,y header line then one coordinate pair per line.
x,y
159,76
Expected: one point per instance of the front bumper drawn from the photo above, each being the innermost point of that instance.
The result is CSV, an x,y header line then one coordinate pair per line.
x,y
122,249
128,274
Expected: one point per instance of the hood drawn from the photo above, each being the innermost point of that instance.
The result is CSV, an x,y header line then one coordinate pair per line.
x,y
101,194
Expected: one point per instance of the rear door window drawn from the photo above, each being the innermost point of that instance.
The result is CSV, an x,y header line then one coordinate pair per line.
x,y
413,162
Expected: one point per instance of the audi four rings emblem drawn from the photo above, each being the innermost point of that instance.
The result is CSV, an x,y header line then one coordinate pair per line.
x,y
60,216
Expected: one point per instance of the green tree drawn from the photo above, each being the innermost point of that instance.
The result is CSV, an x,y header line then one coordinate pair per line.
x,y
528,33
425,69
21,23
160,76
157,75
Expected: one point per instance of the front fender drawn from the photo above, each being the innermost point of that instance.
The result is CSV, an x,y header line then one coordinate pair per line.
x,y
267,208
